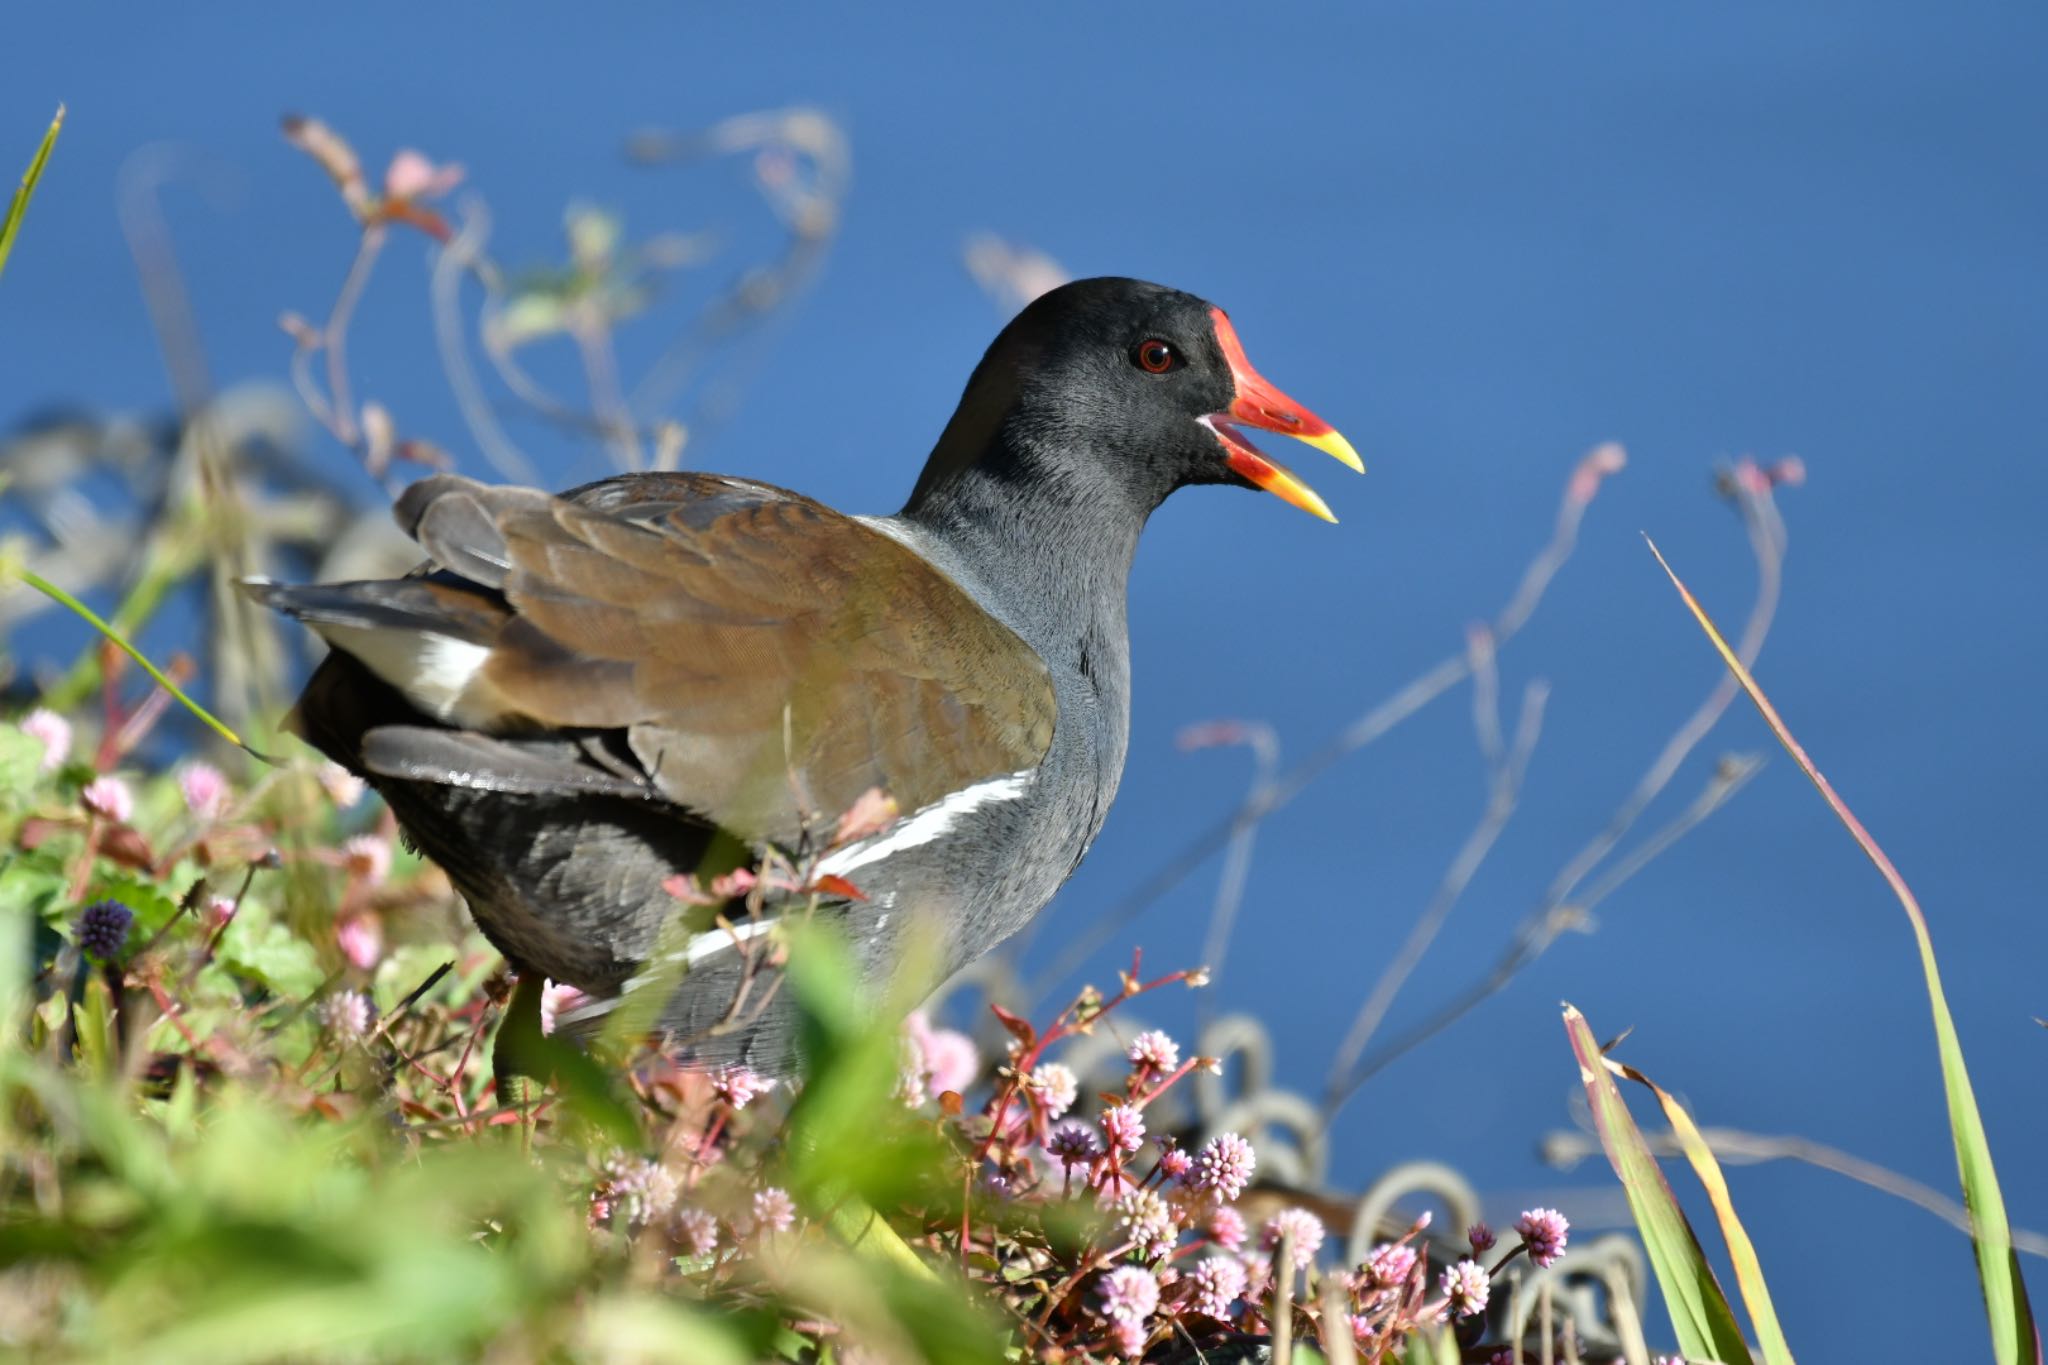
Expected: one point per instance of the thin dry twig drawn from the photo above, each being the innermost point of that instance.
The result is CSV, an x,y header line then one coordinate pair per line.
x,y
1508,766
1426,687
1558,913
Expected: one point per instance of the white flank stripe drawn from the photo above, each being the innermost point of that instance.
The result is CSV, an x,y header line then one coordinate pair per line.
x,y
927,824
432,671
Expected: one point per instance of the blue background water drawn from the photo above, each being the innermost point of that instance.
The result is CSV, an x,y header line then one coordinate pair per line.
x,y
1479,239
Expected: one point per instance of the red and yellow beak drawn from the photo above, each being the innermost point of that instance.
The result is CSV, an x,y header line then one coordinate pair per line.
x,y
1262,406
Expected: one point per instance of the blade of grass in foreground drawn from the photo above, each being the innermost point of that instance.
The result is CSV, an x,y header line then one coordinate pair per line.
x,y
1700,1316
92,618
2014,1337
18,208
1749,1271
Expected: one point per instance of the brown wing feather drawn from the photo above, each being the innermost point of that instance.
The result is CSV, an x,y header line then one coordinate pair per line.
x,y
769,658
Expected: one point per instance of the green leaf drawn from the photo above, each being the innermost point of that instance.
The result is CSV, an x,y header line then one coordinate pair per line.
x,y
1700,1316
21,760
1749,1271
2014,1337
18,208
264,951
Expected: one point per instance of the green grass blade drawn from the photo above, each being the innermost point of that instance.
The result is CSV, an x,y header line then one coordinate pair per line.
x,y
18,208
92,618
2014,1337
1700,1316
1749,1271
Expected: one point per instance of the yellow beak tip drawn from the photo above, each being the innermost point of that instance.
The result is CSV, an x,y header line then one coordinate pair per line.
x,y
1337,448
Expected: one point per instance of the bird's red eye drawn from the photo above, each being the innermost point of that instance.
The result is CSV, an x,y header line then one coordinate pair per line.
x,y
1155,356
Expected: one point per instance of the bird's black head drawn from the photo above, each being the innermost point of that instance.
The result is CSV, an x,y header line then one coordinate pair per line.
x,y
1119,388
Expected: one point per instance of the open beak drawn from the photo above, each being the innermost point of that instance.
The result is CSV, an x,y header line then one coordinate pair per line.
x,y
1261,406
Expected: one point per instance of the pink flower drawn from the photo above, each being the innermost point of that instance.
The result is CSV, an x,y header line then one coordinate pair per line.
x,y
1154,1049
412,176
697,1231
873,811
206,790
53,732
1482,1238
362,940
1306,1228
639,1190
1544,1231
109,798
343,787
739,1086
1123,1128
774,1210
1466,1287
945,1058
1130,1338
1129,1294
1226,1228
1223,1167
1147,1222
219,911
368,857
347,1014
1057,1088
1217,1283
1390,1265
1174,1163
556,1000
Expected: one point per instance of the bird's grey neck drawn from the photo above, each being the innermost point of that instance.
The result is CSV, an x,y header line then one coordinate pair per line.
x,y
1050,556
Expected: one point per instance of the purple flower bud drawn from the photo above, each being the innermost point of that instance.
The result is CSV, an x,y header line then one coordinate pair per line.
x,y
102,930
1481,1237
1544,1231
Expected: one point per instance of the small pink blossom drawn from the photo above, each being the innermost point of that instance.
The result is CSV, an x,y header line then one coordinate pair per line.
x,y
873,811
944,1059
1129,1294
361,937
347,1014
1130,1337
697,1231
1057,1088
774,1210
1482,1238
343,787
368,857
1154,1049
205,789
109,798
1226,1228
412,176
1391,1263
1123,1128
1217,1283
219,911
1544,1231
1306,1228
1223,1167
1466,1287
53,732
1174,1163
739,1086
557,999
